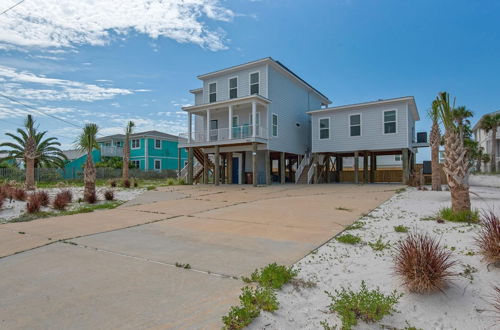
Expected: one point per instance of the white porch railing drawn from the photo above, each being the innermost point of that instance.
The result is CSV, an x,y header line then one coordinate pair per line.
x,y
197,167
310,174
305,162
111,151
222,134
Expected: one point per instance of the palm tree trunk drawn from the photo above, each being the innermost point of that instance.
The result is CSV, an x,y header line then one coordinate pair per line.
x,y
30,173
456,168
435,140
126,160
493,150
89,179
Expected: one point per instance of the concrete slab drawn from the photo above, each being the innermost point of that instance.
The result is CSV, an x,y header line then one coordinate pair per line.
x,y
230,248
61,286
12,242
153,196
184,206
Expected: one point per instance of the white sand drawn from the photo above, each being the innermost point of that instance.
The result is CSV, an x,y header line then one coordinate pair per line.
x,y
14,209
464,304
485,180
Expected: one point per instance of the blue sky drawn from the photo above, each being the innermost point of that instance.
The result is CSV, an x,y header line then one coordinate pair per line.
x,y
95,62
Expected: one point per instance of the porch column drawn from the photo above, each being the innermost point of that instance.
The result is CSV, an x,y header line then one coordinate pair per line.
x,y
365,167
316,170
254,119
290,175
190,127
327,168
179,168
205,168
230,121
406,167
338,167
372,167
230,167
190,166
356,167
254,163
223,172
208,125
282,167
268,167
217,166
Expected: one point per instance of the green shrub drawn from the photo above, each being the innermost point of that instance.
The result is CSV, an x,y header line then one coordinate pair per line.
x,y
272,276
379,245
252,301
150,187
355,225
448,214
367,305
400,229
348,239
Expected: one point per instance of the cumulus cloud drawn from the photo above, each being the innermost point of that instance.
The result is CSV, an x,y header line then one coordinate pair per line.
x,y
68,23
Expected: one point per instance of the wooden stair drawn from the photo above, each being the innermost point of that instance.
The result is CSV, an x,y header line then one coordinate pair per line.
x,y
198,154
303,175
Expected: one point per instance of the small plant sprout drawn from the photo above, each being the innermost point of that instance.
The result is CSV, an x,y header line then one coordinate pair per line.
x,y
181,265
356,225
468,271
423,264
488,239
367,305
348,239
400,229
379,245
272,276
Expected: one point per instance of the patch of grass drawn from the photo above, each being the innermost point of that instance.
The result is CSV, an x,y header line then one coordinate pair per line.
x,y
175,182
272,276
379,245
355,225
252,301
348,239
448,214
150,187
400,229
327,326
468,271
400,190
82,209
367,305
341,208
299,283
181,265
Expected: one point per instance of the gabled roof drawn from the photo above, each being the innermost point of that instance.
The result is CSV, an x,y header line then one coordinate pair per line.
x,y
73,154
277,65
476,126
411,99
152,134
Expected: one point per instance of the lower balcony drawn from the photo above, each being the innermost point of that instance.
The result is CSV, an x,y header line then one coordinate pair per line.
x,y
220,136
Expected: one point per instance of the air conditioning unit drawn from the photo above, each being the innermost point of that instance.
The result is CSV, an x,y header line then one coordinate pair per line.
x,y
422,137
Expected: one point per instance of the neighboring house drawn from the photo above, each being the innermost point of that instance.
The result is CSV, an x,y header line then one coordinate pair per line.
x,y
247,117
484,140
371,130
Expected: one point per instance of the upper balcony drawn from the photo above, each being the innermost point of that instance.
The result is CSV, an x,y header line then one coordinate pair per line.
x,y
221,136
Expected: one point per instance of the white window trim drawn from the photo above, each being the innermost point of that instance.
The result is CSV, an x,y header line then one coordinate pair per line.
x,y
272,125
383,121
138,145
229,87
209,93
138,162
319,128
250,83
157,148
154,164
360,125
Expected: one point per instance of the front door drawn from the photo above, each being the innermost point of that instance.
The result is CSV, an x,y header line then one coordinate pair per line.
x,y
236,170
214,130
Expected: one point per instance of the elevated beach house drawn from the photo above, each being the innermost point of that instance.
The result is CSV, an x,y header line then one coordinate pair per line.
x,y
247,118
486,141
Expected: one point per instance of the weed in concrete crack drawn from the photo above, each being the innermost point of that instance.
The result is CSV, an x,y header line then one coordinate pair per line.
x,y
181,265
341,208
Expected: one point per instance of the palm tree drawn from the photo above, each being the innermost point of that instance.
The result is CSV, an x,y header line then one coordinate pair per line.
x,y
36,150
491,123
460,115
435,141
87,142
126,149
456,164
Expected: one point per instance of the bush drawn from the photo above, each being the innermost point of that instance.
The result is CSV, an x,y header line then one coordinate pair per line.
x,y
67,195
33,205
369,306
109,195
252,301
19,194
60,201
422,264
488,238
112,183
171,182
461,216
43,197
348,239
126,183
272,276
400,229
90,199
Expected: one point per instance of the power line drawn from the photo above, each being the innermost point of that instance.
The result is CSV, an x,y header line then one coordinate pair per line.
x,y
12,7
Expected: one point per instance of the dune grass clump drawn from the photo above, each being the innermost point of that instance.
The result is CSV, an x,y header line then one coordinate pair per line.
x,y
349,239
272,276
488,238
19,194
109,195
43,197
423,264
60,201
91,198
448,214
126,183
34,204
367,305
67,195
112,183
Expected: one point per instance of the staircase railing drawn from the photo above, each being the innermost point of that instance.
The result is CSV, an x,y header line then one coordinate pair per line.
x,y
310,174
303,163
184,171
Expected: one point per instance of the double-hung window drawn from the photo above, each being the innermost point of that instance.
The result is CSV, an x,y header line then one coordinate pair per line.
x,y
355,125
157,164
324,128
254,83
136,163
389,121
233,88
275,125
136,144
212,92
157,144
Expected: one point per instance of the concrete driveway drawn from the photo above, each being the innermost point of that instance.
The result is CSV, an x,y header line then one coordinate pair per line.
x,y
116,268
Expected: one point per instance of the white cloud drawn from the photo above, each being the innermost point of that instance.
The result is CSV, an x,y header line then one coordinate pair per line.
x,y
68,23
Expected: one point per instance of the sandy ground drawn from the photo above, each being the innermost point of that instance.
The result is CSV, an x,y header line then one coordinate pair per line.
x,y
485,180
464,305
13,209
